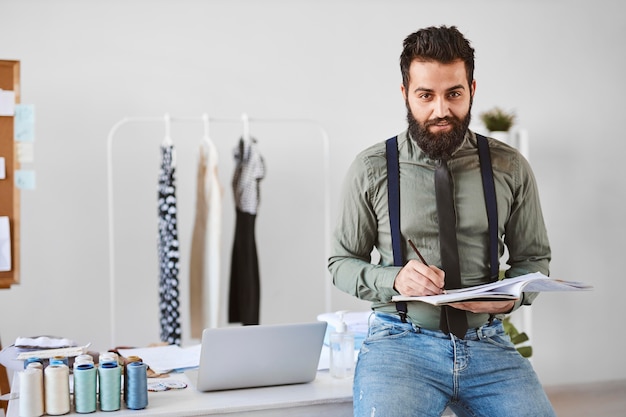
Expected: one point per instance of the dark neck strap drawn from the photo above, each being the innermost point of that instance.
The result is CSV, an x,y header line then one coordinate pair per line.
x,y
393,195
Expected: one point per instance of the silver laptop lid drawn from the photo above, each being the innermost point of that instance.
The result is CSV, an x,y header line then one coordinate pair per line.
x,y
260,355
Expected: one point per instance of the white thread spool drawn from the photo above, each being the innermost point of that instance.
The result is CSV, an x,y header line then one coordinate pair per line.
x,y
57,392
82,359
107,357
31,392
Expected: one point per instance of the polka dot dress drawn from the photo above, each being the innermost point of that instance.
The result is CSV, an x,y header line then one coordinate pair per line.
x,y
168,250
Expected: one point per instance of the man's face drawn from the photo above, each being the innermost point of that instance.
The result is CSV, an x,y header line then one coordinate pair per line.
x,y
439,100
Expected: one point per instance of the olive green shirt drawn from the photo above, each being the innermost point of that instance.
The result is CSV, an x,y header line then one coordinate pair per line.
x,y
363,222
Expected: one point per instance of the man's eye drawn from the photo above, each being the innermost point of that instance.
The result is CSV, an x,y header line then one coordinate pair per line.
x,y
425,96
455,94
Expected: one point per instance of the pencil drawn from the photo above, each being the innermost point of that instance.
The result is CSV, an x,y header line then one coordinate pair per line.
x,y
421,257
418,253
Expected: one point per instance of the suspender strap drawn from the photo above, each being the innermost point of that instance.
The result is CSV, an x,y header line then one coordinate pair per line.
x,y
489,190
393,196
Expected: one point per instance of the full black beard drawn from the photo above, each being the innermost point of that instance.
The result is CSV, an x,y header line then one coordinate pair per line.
x,y
438,145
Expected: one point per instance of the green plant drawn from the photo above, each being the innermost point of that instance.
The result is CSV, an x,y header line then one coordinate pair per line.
x,y
517,338
497,120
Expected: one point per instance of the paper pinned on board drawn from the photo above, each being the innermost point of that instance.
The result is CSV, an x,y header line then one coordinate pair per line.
x,y
24,123
5,244
25,179
7,103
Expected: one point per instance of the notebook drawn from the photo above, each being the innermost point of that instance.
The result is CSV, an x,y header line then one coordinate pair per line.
x,y
260,355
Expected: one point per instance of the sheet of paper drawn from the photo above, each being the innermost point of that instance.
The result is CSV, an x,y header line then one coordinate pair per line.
x,y
5,244
162,359
3,168
7,103
24,123
25,152
25,179
505,289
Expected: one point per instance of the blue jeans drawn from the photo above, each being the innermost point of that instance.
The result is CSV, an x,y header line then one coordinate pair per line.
x,y
407,371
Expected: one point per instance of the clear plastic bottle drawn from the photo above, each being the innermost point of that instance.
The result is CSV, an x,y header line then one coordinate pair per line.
x,y
341,350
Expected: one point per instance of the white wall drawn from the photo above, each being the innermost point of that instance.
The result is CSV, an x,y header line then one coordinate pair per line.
x,y
86,65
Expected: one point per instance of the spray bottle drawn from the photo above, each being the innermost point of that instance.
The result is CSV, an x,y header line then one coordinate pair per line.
x,y
341,350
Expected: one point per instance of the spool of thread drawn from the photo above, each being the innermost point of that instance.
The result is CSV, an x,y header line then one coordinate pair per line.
x,y
109,381
57,389
83,359
32,360
137,385
31,392
85,392
60,359
107,357
129,359
36,365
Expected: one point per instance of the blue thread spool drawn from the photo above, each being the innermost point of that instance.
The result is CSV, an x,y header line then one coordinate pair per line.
x,y
137,385
129,359
85,377
109,380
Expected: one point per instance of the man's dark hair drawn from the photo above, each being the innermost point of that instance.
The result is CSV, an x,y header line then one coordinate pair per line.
x,y
442,44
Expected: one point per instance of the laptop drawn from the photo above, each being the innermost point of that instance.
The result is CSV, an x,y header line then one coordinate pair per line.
x,y
259,355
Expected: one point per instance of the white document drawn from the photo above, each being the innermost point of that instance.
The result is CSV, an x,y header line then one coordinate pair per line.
x,y
163,359
5,244
7,103
3,168
506,289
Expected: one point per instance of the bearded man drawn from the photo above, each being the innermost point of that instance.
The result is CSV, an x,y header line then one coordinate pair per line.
x,y
455,199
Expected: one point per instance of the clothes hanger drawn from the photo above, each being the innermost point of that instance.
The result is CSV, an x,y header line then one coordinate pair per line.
x,y
206,138
246,128
167,141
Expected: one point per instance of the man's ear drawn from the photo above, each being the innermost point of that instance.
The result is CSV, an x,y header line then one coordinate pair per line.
x,y
403,91
473,88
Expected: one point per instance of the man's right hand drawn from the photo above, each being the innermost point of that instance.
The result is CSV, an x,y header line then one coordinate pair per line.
x,y
417,279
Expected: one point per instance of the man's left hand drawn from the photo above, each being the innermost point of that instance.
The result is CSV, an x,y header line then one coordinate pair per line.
x,y
490,307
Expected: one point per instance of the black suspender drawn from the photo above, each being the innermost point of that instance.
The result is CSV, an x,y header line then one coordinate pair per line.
x,y
393,195
489,189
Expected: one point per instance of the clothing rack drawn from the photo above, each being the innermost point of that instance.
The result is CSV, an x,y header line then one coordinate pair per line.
x,y
168,120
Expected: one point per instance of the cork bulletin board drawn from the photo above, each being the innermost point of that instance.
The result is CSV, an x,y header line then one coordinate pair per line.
x,y
9,192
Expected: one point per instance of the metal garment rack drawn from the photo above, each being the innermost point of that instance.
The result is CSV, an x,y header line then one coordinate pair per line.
x,y
204,119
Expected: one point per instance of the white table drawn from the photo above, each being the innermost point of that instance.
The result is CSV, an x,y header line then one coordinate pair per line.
x,y
324,396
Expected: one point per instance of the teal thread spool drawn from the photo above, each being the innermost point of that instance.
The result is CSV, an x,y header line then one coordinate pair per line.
x,y
85,377
109,379
137,385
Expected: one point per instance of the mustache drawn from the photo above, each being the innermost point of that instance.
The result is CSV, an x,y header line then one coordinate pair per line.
x,y
447,119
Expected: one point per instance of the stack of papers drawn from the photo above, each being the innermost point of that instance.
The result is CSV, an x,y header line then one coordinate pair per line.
x,y
506,289
169,358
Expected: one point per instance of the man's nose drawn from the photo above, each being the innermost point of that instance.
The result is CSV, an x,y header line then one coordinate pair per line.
x,y
441,108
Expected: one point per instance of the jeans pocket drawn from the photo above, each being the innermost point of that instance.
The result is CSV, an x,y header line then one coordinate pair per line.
x,y
500,339
379,331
